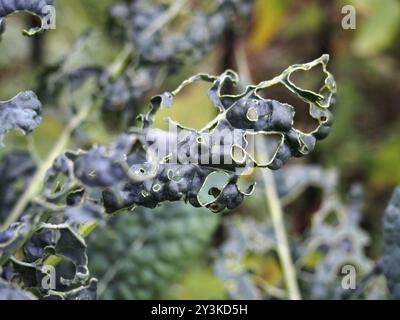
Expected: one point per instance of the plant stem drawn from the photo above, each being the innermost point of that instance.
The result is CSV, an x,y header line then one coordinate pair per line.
x,y
271,195
275,209
166,17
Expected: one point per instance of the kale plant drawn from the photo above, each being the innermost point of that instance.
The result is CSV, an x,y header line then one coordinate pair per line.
x,y
126,189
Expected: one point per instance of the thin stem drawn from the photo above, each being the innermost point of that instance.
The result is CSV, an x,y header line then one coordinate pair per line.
x,y
272,290
121,62
166,17
271,195
275,209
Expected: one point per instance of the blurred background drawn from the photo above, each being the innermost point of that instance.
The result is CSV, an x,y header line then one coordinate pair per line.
x,y
363,148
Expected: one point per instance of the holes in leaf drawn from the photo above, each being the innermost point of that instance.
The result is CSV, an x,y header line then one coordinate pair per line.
x,y
200,140
191,108
140,172
237,153
245,183
156,188
252,114
212,187
311,80
332,218
262,147
174,176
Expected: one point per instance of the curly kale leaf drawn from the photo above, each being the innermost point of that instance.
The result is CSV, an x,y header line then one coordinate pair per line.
x,y
35,7
57,244
63,243
21,112
154,166
391,258
247,114
140,169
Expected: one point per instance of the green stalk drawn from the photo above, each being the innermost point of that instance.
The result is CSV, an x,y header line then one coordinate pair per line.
x,y
165,18
271,195
275,209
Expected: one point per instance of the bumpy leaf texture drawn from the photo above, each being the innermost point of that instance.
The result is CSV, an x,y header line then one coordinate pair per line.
x,y
153,166
391,257
131,172
21,112
35,7
39,241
